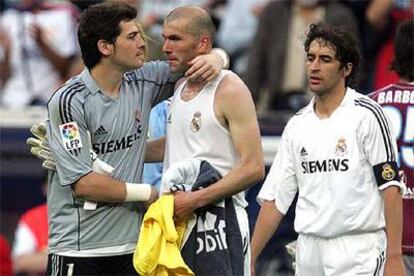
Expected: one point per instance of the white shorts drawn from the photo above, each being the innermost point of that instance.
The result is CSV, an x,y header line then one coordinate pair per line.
x,y
243,221
361,254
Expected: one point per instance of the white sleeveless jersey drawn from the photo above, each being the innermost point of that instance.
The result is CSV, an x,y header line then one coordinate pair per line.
x,y
193,131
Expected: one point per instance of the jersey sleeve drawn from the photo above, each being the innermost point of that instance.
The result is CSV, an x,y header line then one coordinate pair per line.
x,y
158,73
281,182
380,146
68,136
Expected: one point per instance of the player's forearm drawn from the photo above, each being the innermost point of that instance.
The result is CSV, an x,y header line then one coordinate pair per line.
x,y
97,187
155,150
266,225
393,220
238,179
100,188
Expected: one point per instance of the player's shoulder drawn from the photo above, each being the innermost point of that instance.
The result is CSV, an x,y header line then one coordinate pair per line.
x,y
365,108
74,88
364,103
231,84
151,71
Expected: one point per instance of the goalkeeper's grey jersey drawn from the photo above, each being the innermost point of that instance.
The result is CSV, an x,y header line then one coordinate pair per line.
x,y
83,117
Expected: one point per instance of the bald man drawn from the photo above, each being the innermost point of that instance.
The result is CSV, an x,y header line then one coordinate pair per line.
x,y
203,123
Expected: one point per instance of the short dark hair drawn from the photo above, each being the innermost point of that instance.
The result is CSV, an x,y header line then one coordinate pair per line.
x,y
403,63
101,21
343,42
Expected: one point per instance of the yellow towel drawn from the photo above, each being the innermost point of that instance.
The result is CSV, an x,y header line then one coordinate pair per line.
x,y
159,242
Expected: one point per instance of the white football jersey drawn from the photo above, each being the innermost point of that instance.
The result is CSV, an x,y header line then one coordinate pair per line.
x,y
193,131
338,165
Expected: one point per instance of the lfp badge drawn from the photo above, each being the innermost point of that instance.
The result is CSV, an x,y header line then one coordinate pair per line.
x,y
71,137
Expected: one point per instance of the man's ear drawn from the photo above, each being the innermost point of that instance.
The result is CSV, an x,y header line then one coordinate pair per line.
x,y
105,47
204,44
347,69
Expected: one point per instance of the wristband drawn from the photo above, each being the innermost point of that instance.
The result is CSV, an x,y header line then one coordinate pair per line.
x,y
137,192
223,55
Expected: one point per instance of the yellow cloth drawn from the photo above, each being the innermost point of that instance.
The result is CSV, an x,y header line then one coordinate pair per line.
x,y
159,242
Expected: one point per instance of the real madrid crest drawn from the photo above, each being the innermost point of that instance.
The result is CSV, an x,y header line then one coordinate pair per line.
x,y
341,148
388,172
196,122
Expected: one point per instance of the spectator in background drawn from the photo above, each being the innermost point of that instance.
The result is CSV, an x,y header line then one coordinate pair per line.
x,y
385,16
237,28
5,259
276,60
398,102
157,128
39,44
370,41
30,240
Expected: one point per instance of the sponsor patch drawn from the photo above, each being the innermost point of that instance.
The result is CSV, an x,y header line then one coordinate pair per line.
x,y
71,139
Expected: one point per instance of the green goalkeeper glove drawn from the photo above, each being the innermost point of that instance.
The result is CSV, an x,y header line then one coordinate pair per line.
x,y
40,149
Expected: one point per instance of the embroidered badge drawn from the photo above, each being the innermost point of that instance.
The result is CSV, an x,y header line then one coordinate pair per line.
x,y
388,172
341,148
196,122
138,116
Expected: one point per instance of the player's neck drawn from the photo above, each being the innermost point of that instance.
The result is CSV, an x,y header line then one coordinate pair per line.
x,y
195,84
191,89
108,79
327,103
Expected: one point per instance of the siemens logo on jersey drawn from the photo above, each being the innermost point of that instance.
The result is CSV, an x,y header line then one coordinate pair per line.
x,y
115,145
325,166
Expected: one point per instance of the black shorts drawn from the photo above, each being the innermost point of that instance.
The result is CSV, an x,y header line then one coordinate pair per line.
x,y
111,265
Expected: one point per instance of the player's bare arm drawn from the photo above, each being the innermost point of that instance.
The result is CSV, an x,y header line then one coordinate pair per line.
x,y
155,150
267,222
393,221
101,188
244,130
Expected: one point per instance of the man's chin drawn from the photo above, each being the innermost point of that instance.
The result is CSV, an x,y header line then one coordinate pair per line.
x,y
136,66
176,69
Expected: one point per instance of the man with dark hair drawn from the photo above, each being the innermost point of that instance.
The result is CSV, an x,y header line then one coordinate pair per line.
x,y
339,155
94,219
397,101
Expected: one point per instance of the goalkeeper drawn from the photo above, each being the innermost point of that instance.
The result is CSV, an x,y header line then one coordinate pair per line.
x,y
94,218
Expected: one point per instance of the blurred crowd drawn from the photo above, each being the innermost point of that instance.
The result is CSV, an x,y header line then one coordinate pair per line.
x,y
39,51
